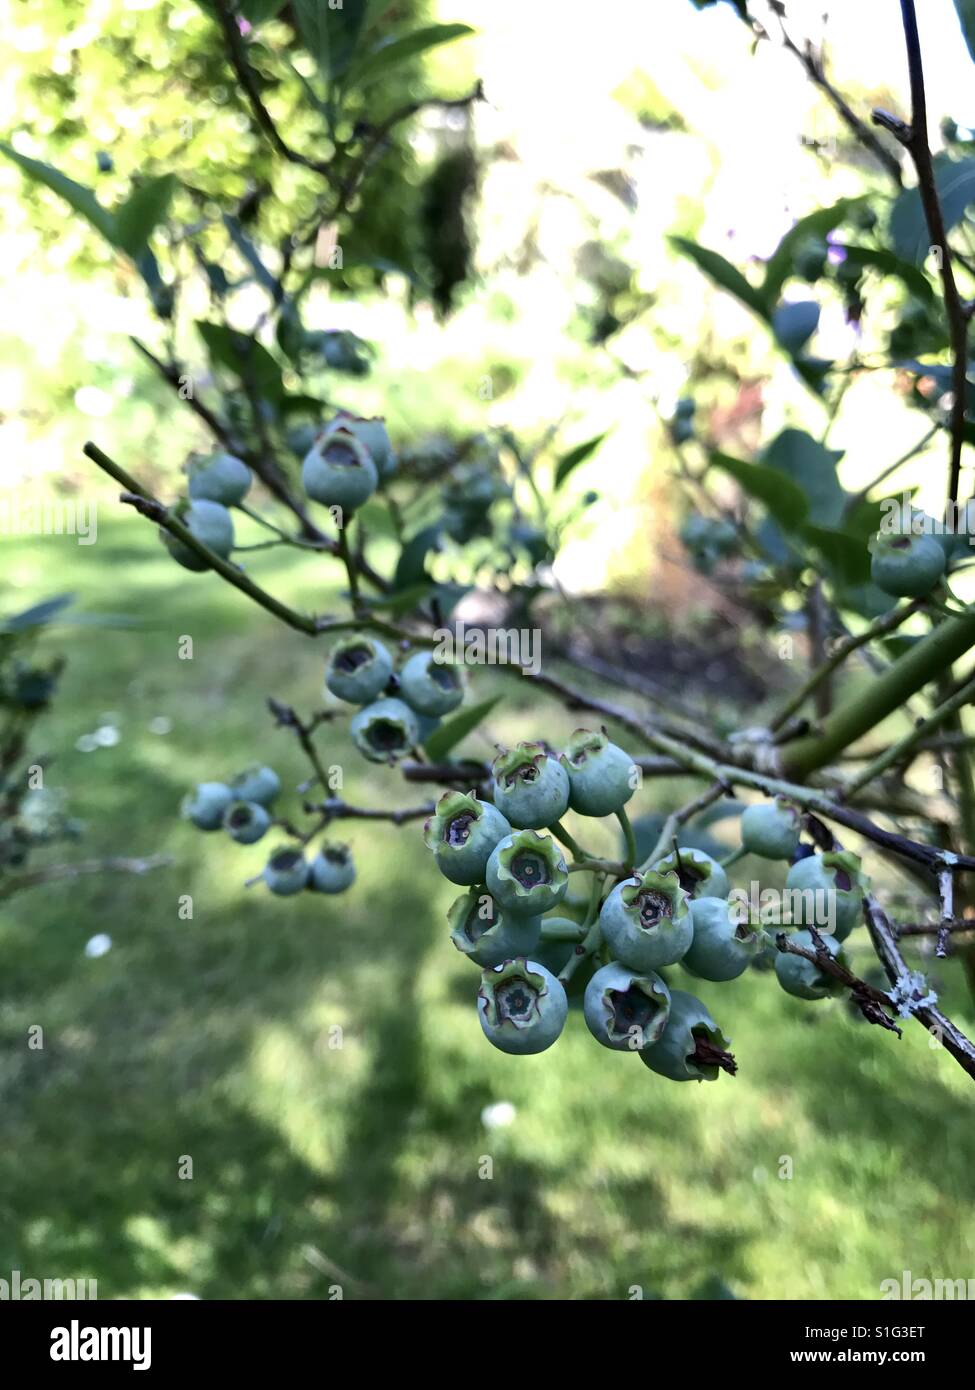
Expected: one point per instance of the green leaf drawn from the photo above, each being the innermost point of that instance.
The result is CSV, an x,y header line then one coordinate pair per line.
x,y
966,17
795,323
260,11
867,257
820,223
784,499
955,181
82,199
411,566
813,467
723,273
392,51
331,35
251,255
443,740
846,556
36,616
245,357
137,218
575,456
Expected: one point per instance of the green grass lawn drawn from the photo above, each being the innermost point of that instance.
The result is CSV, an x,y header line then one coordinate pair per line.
x,y
363,1165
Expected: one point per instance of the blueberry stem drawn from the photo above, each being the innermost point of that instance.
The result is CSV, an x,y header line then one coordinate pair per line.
x,y
562,929
733,857
628,835
559,831
593,938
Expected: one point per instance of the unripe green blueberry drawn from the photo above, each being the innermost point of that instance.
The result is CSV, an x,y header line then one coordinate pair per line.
x,y
286,872
803,977
256,783
522,1006
626,1009
526,873
531,787
827,892
771,829
338,470
210,523
646,922
384,731
429,686
692,1046
699,875
906,566
794,324
724,945
602,778
358,670
372,433
206,804
246,821
486,934
462,834
332,870
220,478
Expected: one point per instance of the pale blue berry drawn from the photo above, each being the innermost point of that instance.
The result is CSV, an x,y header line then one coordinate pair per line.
x,y
692,1046
826,891
771,829
206,804
646,922
527,874
286,872
724,944
906,566
530,786
431,687
220,478
485,934
699,875
625,1009
338,470
359,668
332,870
256,783
246,821
384,731
208,522
372,433
802,977
602,778
522,1006
462,834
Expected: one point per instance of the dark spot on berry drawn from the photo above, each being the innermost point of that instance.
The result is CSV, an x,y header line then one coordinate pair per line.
x,y
336,855
476,925
385,736
843,880
653,908
341,454
530,870
516,1000
902,543
707,1053
241,815
457,831
286,859
443,676
352,658
632,1009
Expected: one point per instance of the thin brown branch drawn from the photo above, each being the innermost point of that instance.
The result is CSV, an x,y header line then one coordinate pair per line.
x,y
55,873
870,1001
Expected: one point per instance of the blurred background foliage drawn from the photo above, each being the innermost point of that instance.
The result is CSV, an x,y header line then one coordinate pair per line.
x,y
512,268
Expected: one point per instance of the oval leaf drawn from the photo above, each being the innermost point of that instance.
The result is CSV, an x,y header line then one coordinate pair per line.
x,y
784,499
446,738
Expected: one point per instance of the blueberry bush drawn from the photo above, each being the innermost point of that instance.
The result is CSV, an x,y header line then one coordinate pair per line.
x,y
867,584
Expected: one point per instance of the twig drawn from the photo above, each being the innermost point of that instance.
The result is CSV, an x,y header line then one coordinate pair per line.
x,y
915,140
54,873
870,1001
336,809
904,745
946,890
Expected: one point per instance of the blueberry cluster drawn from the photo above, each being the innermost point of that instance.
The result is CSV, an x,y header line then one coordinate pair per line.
x,y
217,483
398,709
678,909
243,807
348,461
